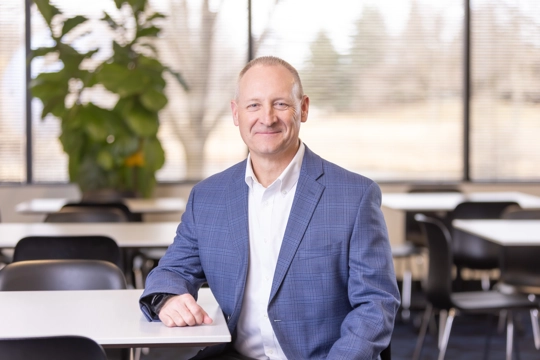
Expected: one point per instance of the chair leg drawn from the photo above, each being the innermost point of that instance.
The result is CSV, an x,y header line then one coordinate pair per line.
x,y
509,335
502,321
406,294
446,335
422,335
443,315
485,281
535,328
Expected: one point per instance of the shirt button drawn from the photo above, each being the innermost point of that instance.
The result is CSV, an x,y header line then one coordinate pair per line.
x,y
284,192
266,316
270,352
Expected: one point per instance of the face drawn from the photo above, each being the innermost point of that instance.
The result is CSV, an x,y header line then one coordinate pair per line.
x,y
268,112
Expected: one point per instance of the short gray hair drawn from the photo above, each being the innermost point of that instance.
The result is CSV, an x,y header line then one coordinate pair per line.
x,y
272,61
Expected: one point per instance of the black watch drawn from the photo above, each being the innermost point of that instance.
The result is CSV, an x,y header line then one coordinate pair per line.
x,y
158,301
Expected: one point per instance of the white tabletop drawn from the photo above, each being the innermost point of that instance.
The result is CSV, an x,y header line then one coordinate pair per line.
x,y
448,201
110,317
130,234
503,232
135,205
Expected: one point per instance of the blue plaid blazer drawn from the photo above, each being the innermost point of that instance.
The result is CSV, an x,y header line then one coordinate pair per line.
x,y
334,293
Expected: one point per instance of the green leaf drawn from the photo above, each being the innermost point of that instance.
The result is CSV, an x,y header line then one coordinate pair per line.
x,y
94,124
54,106
107,18
42,51
122,81
111,75
153,100
48,90
178,78
150,64
142,121
47,10
124,145
105,159
124,106
119,3
151,31
154,155
71,23
155,16
137,5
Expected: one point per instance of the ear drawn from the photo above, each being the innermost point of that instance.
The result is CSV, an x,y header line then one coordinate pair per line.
x,y
304,108
234,110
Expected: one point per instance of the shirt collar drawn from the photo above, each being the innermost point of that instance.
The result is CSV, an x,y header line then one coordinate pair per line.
x,y
288,177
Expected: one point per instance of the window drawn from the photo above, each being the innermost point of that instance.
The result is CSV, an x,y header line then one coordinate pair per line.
x,y
385,80
12,91
505,106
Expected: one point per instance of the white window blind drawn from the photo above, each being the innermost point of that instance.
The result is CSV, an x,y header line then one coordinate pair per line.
x,y
12,92
505,108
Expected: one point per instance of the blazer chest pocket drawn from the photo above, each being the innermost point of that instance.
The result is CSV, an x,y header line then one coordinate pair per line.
x,y
328,250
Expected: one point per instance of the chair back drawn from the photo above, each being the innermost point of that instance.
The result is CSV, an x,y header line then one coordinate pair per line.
x,y
38,275
67,247
86,215
521,214
51,348
519,264
438,287
99,206
413,233
469,250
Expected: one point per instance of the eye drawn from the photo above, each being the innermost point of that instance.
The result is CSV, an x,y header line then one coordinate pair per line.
x,y
281,105
253,107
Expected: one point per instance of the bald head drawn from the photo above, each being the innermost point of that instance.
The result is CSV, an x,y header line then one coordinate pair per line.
x,y
272,61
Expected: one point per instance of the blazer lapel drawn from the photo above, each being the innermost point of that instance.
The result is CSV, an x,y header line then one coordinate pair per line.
x,y
308,193
237,213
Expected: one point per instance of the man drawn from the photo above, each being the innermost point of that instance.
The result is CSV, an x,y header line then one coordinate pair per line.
x,y
294,248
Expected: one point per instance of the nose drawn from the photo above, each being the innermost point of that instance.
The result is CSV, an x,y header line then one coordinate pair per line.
x,y
268,118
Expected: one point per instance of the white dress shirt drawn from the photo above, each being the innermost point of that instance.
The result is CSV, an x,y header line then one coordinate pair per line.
x,y
268,212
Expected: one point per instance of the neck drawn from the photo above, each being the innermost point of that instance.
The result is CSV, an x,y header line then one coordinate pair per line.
x,y
268,169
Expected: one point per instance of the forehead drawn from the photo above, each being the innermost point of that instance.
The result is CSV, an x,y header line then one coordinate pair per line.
x,y
265,80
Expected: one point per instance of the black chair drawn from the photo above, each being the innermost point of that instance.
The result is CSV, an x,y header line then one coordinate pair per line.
x,y
92,212
517,213
386,354
51,348
414,245
78,214
34,275
439,294
68,247
99,206
473,252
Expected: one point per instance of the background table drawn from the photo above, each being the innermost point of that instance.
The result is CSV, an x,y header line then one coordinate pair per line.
x,y
127,235
448,201
110,317
135,205
503,232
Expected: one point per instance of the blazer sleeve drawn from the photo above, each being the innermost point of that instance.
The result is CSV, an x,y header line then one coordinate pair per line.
x,y
179,270
373,291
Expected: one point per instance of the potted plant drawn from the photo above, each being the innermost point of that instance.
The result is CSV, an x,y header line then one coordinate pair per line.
x,y
113,148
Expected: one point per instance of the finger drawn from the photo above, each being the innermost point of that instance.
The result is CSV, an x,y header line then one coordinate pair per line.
x,y
168,320
200,316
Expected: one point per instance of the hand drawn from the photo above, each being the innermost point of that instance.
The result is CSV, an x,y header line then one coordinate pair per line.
x,y
183,310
